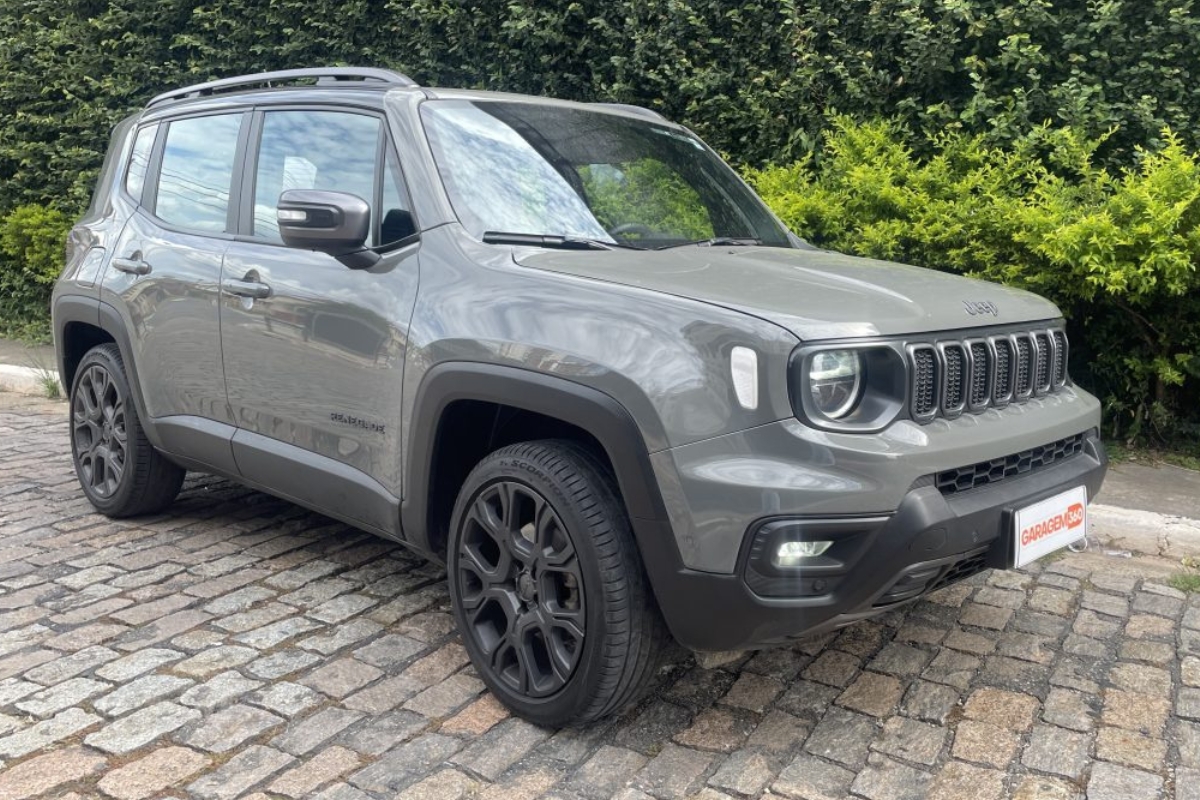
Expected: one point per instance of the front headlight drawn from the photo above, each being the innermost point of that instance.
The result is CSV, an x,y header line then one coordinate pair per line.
x,y
835,381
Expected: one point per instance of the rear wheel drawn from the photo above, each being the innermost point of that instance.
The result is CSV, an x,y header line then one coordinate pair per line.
x,y
548,589
120,471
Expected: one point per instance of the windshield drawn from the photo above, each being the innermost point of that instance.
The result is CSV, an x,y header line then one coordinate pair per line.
x,y
530,168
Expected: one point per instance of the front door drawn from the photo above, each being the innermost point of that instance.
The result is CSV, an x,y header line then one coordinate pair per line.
x,y
314,365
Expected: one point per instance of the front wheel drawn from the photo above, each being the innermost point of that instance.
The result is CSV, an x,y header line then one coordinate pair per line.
x,y
120,471
547,586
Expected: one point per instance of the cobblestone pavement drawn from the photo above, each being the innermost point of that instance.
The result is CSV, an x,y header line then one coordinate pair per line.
x,y
240,646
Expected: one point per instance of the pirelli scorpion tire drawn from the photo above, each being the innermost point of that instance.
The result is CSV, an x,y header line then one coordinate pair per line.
x,y
548,588
120,471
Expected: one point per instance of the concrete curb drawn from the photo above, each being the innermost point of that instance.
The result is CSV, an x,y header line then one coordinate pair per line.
x,y
25,380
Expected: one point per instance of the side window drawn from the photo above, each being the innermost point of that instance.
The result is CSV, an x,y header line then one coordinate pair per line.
x,y
139,161
197,170
328,150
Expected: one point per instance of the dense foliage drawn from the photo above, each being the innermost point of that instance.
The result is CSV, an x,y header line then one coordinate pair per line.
x,y
1116,250
756,78
32,240
1101,218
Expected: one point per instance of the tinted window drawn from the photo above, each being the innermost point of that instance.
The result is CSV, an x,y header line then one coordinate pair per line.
x,y
328,150
397,219
197,169
139,161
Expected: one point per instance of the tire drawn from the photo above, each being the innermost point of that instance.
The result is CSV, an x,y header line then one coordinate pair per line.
x,y
569,634
120,471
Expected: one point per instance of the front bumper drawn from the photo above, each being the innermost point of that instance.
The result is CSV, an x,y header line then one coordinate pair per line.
x,y
932,539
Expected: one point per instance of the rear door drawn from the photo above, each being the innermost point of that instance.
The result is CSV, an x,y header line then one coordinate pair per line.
x,y
314,364
166,265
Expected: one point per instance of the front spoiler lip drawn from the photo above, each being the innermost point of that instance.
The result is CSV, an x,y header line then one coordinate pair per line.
x,y
707,611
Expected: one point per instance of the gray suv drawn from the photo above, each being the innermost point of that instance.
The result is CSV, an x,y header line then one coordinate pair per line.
x,y
562,348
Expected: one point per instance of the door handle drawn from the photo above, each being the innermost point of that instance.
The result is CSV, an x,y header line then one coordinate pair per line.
x,y
134,265
253,289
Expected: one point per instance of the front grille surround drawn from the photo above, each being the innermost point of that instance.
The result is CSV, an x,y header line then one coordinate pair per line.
x,y
950,377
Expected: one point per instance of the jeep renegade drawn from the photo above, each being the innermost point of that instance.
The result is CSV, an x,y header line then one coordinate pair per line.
x,y
562,348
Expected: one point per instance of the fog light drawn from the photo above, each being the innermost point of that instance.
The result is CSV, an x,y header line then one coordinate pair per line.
x,y
793,554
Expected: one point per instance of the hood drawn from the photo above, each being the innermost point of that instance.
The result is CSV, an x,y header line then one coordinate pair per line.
x,y
815,294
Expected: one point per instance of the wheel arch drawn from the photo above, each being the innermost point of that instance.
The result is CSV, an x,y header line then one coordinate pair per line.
x,y
81,323
487,406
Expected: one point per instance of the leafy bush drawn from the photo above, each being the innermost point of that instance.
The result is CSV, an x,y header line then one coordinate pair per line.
x,y
32,240
756,78
1117,250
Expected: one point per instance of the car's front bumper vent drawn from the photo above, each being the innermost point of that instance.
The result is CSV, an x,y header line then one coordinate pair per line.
x,y
961,479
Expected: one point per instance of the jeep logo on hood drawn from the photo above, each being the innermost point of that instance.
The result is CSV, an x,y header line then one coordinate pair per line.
x,y
977,307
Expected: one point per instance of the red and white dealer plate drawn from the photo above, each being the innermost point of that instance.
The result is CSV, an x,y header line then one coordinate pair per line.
x,y
1050,525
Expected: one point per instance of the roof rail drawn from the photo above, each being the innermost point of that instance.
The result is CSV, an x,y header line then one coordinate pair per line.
x,y
322,74
641,111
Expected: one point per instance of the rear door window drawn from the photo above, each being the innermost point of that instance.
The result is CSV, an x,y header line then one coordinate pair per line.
x,y
195,179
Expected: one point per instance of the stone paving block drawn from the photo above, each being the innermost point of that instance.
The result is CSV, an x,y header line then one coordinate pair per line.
x,y
377,734
810,778
388,652
985,743
306,735
477,718
69,666
164,628
286,698
911,740
952,668
983,616
1137,712
448,784
932,702
501,747
151,774
249,767
743,773
723,729
674,772
958,781
282,663
842,736
404,765
139,692
320,769
276,633
1042,787
341,636
873,694
213,660
49,702
45,772
141,727
445,698
886,779
229,727
1005,709
143,661
341,677
753,692
1069,709
1131,749
1057,751
606,772
217,691
655,723
1141,679
834,668
247,620
1111,782
1187,705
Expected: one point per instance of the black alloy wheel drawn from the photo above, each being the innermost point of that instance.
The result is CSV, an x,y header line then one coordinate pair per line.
x,y
98,431
120,471
548,587
521,589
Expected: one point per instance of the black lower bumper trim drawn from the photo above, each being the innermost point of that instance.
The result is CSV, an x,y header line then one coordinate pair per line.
x,y
930,541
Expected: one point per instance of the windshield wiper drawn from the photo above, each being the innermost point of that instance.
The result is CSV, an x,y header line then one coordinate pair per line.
x,y
551,240
717,241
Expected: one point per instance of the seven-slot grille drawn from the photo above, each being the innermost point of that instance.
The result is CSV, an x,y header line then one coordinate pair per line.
x,y
950,377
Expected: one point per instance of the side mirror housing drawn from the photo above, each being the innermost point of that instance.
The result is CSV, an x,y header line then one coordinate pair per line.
x,y
336,223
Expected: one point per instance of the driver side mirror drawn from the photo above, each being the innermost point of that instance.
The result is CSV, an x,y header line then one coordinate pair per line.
x,y
336,223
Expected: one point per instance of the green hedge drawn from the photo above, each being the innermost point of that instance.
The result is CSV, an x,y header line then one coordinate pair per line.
x,y
757,78
32,247
1117,250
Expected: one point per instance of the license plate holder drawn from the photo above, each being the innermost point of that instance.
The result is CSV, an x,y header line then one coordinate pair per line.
x,y
1049,525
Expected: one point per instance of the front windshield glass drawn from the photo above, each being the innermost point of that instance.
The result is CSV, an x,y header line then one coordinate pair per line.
x,y
530,168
